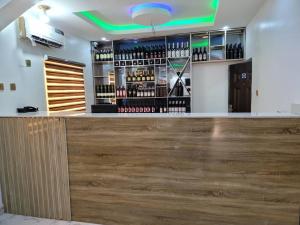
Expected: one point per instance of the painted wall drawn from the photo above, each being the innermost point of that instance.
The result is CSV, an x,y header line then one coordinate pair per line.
x,y
210,87
273,43
30,80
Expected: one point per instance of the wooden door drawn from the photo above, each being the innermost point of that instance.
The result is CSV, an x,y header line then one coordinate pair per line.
x,y
240,87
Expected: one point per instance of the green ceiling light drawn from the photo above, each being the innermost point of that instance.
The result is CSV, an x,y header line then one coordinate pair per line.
x,y
200,44
91,17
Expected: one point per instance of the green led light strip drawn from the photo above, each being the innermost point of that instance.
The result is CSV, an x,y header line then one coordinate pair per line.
x,y
125,28
200,44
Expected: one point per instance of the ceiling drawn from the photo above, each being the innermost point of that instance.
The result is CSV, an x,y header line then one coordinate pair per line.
x,y
67,15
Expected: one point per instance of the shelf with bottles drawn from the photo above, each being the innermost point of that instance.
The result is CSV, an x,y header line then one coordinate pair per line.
x,y
102,52
178,46
179,78
140,62
140,76
143,106
149,51
235,42
200,47
105,91
179,105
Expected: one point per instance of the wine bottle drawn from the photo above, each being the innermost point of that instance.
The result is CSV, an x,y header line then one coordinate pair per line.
x,y
173,51
204,55
177,52
182,50
187,49
196,55
169,51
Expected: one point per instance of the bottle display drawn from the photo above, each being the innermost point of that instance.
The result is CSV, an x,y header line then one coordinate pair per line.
x,y
234,51
140,91
140,76
178,49
105,91
200,54
134,106
178,106
104,55
140,52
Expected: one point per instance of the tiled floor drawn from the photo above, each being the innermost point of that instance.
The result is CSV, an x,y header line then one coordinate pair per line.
x,y
9,219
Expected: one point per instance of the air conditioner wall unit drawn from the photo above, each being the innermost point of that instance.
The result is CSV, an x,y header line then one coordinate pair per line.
x,y
41,33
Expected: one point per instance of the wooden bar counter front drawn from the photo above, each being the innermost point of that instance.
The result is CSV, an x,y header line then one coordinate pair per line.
x,y
184,170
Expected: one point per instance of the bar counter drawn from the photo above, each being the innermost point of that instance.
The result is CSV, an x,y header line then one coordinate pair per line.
x,y
145,169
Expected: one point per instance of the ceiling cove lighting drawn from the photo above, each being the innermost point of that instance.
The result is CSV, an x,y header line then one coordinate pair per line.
x,y
94,18
150,14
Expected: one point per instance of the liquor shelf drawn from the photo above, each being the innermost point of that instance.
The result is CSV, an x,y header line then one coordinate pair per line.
x,y
169,58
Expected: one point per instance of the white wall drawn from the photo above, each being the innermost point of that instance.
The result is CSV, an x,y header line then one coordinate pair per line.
x,y
273,43
210,87
30,81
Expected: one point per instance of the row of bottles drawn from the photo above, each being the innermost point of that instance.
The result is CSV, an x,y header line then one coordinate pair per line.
x,y
234,51
104,55
140,75
178,50
178,89
178,106
105,91
142,107
137,107
161,91
121,92
148,52
137,91
199,54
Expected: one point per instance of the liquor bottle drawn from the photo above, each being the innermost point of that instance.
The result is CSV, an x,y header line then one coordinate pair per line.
x,y
177,52
204,55
235,51
182,50
187,49
200,55
241,51
97,57
148,77
147,53
163,51
142,52
119,56
196,55
152,77
230,53
169,51
173,51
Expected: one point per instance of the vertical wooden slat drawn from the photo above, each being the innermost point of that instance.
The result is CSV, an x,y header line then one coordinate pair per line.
x,y
34,167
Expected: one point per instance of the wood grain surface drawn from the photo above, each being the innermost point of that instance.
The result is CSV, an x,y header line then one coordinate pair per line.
x,y
34,167
184,171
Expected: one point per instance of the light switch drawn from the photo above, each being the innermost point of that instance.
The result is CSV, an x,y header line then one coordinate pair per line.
x,y
1,87
257,93
13,87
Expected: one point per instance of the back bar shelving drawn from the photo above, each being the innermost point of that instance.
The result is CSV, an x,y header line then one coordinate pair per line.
x,y
171,67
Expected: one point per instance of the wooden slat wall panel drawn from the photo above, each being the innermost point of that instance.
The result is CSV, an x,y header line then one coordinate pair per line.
x,y
184,171
64,81
33,167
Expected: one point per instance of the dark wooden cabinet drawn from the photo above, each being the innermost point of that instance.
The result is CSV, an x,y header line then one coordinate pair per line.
x,y
240,85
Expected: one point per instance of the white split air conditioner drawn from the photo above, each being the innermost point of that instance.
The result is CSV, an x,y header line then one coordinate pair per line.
x,y
41,33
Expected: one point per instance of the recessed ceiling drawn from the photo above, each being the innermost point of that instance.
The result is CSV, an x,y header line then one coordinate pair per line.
x,y
86,18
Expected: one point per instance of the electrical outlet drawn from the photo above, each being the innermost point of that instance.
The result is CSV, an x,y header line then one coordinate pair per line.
x,y
13,87
28,63
1,87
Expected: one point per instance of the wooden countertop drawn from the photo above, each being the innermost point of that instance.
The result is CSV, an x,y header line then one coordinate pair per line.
x,y
151,115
